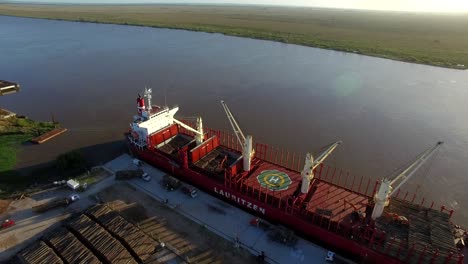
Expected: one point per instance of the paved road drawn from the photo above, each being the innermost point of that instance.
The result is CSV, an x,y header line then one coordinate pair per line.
x,y
222,218
30,226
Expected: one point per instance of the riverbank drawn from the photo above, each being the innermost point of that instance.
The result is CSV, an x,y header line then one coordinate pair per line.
x,y
15,131
431,39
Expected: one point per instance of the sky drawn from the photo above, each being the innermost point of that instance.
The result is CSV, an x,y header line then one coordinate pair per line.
x,y
394,5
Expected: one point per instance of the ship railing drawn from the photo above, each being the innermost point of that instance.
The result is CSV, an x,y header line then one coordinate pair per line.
x,y
418,252
290,160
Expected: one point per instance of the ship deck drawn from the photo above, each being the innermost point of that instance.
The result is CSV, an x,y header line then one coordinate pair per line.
x,y
323,198
427,227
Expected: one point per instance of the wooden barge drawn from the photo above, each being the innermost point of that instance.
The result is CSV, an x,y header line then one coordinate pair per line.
x,y
48,135
8,87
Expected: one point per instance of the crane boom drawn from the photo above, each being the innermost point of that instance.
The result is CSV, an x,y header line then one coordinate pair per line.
x,y
186,126
386,190
240,136
325,154
310,165
199,131
408,172
245,142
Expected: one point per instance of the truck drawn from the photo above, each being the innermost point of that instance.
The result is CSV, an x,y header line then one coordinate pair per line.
x,y
171,183
128,174
73,184
58,202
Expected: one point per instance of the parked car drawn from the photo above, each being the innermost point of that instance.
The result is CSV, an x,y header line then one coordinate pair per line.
x,y
8,223
74,197
146,177
190,190
137,162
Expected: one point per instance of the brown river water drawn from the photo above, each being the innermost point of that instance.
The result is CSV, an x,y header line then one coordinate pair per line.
x,y
297,98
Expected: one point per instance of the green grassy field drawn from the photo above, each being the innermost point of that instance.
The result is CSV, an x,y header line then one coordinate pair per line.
x,y
13,132
440,40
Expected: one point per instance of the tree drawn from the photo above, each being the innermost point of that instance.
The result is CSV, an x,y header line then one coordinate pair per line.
x,y
71,161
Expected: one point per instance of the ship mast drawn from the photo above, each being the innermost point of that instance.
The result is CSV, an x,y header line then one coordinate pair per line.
x,y
148,96
310,165
244,141
386,190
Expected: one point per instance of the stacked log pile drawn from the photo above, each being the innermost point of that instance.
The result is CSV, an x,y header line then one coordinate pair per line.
x,y
137,242
70,248
428,228
175,245
104,246
39,253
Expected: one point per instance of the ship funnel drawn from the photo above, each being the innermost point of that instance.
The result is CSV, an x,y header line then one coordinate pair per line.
x,y
140,104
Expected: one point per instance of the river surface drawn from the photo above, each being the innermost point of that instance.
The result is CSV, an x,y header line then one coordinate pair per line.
x,y
299,98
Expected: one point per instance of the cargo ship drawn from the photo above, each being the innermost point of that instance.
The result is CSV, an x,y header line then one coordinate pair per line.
x,y
369,221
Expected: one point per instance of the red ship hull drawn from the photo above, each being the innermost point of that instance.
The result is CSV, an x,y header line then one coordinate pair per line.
x,y
358,238
335,241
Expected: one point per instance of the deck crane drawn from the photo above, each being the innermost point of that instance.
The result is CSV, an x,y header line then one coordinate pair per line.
x,y
199,135
386,190
244,141
310,165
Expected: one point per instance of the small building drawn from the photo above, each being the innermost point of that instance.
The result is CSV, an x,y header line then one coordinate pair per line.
x,y
8,87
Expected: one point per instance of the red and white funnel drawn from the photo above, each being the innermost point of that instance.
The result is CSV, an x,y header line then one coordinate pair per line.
x,y
140,104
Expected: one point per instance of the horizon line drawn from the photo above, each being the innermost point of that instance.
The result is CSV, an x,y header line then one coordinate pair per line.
x,y
232,4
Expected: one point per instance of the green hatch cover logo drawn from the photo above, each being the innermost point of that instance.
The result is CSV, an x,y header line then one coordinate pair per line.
x,y
274,180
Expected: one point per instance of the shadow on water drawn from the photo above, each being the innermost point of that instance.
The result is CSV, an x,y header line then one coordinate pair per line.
x,y
41,176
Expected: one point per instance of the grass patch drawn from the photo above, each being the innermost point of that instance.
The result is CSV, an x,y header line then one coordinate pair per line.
x,y
8,150
433,39
92,176
14,132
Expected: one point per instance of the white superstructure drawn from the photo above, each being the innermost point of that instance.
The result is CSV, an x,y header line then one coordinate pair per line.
x,y
152,119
